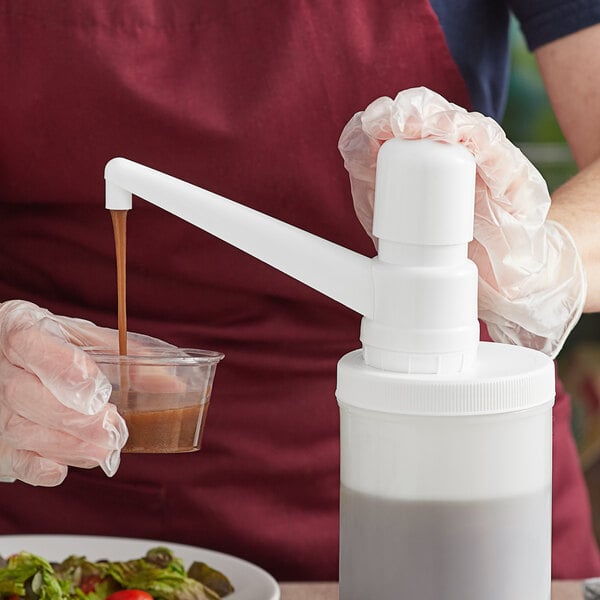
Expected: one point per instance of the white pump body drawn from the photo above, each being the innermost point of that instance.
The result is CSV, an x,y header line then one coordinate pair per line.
x,y
431,419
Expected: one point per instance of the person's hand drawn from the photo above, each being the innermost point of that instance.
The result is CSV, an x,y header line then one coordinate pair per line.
x,y
54,409
532,285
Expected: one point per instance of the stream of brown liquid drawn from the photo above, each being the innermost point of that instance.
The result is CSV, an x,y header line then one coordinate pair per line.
x,y
119,221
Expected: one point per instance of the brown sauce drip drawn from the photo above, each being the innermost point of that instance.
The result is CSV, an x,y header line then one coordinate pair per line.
x,y
119,221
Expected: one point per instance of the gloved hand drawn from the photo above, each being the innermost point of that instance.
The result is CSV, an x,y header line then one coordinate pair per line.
x,y
54,409
531,281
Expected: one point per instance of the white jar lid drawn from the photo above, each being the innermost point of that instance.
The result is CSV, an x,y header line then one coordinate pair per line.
x,y
504,378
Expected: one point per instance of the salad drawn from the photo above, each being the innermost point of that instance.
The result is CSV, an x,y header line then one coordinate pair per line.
x,y
159,575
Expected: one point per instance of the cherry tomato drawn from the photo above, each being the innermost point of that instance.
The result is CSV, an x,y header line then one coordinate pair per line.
x,y
130,595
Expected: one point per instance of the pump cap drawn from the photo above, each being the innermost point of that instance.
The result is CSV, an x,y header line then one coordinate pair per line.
x,y
424,192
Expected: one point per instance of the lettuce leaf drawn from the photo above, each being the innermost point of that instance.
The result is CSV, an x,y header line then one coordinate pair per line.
x,y
160,574
26,572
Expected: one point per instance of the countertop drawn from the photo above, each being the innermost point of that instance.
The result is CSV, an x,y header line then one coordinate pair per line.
x,y
561,590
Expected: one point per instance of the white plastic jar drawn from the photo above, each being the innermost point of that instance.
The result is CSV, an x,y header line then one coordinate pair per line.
x,y
446,480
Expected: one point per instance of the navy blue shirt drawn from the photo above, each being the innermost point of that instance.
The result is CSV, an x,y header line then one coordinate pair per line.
x,y
484,59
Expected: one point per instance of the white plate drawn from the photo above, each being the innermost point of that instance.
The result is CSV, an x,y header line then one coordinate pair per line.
x,y
250,582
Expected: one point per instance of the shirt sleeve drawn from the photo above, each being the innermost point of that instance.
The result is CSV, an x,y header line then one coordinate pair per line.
x,y
543,21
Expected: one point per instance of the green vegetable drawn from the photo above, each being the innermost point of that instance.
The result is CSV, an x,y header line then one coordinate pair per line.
x,y
25,573
159,573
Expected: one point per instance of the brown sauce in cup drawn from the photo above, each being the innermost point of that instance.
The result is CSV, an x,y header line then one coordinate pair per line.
x,y
171,430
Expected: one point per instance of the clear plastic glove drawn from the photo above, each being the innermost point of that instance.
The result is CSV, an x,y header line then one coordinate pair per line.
x,y
531,281
54,409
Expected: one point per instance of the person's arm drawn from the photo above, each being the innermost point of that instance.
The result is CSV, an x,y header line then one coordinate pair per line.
x,y
570,68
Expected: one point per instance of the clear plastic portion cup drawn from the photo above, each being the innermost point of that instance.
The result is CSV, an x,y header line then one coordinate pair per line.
x,y
162,393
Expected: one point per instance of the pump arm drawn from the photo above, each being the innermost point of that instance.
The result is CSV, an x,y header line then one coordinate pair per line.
x,y
335,271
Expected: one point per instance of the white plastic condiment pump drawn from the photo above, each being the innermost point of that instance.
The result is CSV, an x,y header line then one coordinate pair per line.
x,y
445,441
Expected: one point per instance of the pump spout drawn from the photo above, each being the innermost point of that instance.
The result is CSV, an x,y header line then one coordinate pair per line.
x,y
331,269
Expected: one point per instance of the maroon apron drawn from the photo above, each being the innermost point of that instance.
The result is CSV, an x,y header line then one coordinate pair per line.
x,y
247,99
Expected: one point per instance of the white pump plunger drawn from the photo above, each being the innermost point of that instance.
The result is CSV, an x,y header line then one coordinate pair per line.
x,y
418,297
